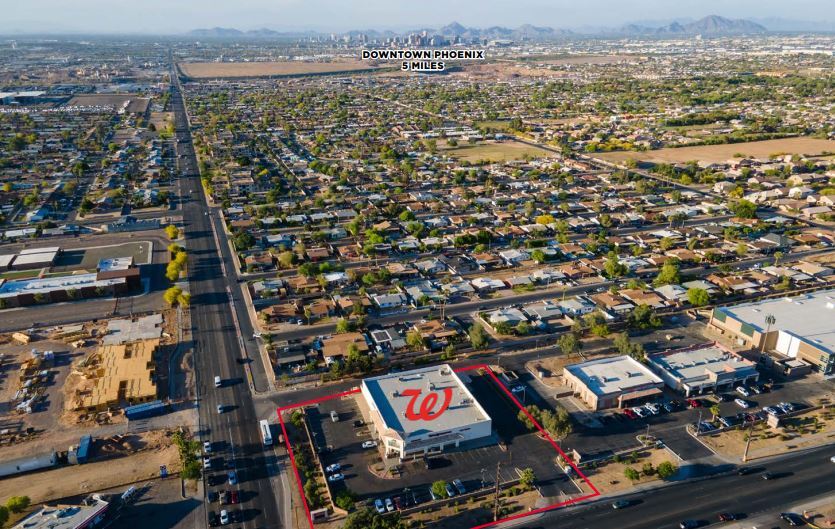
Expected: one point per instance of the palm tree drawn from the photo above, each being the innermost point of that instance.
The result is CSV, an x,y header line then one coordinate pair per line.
x,y
769,321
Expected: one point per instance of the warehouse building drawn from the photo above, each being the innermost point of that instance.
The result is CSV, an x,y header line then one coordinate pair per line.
x,y
614,382
801,327
454,417
702,369
90,513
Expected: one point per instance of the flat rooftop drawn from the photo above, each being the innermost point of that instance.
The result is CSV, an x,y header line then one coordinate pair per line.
x,y
386,391
49,284
810,317
63,516
693,364
616,374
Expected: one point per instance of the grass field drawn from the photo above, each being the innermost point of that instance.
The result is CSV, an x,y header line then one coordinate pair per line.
x,y
204,70
495,125
495,151
720,153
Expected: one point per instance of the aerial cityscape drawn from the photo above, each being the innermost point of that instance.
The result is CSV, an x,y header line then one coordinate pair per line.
x,y
280,265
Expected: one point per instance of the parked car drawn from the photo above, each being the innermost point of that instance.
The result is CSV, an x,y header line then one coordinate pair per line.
x,y
792,518
214,520
207,447
398,503
207,462
232,476
233,497
639,411
459,486
224,517
755,389
378,504
449,490
389,505
742,403
742,390
724,422
369,444
220,408
771,411
358,424
225,497
693,403
333,468
787,407
653,408
336,477
432,493
668,407
629,413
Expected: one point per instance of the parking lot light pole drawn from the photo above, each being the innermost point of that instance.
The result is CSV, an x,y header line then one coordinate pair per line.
x,y
699,423
483,470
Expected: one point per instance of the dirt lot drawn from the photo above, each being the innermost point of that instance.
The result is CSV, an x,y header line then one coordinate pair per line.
x,y
494,151
48,408
802,431
205,70
610,478
722,153
161,119
154,450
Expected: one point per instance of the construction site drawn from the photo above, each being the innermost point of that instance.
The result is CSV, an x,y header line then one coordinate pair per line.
x,y
65,398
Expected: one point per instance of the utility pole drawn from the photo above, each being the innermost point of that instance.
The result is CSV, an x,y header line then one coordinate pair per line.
x,y
699,423
748,442
496,501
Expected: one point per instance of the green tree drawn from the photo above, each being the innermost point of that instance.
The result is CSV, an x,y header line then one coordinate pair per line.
x,y
415,340
345,499
568,344
368,518
478,336
643,317
172,295
666,469
172,231
527,478
343,326
744,209
4,515
18,504
698,297
439,488
631,474
613,268
648,469
668,275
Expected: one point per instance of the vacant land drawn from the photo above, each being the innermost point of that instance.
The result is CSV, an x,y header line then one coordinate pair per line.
x,y
203,70
74,480
721,153
495,151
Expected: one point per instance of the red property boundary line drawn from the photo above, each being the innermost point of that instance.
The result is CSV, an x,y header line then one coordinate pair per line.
x,y
489,371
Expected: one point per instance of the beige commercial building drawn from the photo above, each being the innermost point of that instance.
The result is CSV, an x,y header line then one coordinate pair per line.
x,y
802,327
613,382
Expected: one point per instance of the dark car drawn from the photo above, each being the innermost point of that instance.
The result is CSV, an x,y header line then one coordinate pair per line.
x,y
214,519
726,517
358,424
233,497
212,496
792,518
621,504
689,524
744,471
767,476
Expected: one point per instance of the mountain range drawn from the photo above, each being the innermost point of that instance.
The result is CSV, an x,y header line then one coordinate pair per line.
x,y
712,25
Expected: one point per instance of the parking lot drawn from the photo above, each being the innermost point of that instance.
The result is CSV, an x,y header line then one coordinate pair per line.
x,y
617,432
474,464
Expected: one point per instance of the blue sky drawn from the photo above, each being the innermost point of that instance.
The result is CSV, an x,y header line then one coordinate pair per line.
x,y
177,16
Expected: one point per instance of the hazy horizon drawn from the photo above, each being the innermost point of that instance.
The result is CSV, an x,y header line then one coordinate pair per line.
x,y
158,17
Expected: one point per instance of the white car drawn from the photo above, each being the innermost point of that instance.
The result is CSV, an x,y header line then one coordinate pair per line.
x,y
640,411
378,504
207,462
207,447
742,403
220,408
224,517
389,505
333,468
652,408
742,390
336,477
832,459
369,444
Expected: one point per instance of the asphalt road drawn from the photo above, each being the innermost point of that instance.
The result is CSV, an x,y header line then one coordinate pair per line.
x,y
218,352
798,477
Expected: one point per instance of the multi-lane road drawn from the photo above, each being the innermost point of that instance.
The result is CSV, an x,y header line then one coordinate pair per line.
x,y
798,478
220,349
